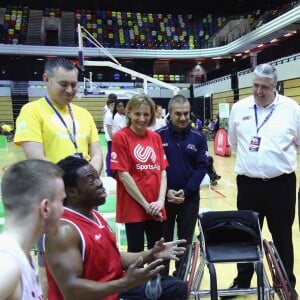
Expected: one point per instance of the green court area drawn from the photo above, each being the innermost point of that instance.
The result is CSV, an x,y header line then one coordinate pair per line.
x,y
102,140
109,206
3,141
108,211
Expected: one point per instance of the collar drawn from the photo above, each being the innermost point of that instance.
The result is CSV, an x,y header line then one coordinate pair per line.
x,y
175,132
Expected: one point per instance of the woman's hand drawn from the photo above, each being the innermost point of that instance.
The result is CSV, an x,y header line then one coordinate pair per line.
x,y
175,197
154,209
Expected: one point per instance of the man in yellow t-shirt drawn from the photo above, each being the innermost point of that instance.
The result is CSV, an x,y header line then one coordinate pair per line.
x,y
52,128
38,123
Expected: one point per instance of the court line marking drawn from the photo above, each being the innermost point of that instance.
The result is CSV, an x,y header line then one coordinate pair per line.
x,y
222,195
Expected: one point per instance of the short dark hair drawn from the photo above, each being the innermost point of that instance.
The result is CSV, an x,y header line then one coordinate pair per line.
x,y
177,99
53,63
110,101
112,96
70,165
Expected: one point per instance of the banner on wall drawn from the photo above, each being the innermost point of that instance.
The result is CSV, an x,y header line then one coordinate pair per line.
x,y
221,145
223,110
223,115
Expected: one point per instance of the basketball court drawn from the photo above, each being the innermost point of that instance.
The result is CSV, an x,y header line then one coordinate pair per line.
x,y
219,197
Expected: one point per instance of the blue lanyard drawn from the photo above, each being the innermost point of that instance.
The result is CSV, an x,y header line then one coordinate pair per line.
x,y
264,121
71,135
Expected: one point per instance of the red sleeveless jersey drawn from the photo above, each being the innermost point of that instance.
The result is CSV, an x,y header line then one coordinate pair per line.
x,y
100,255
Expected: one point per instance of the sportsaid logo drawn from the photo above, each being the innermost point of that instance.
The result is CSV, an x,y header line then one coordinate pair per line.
x,y
143,155
113,157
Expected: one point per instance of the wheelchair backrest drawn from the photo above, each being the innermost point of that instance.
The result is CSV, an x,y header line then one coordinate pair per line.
x,y
230,227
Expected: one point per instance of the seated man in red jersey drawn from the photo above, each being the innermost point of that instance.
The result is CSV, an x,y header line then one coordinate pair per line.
x,y
82,259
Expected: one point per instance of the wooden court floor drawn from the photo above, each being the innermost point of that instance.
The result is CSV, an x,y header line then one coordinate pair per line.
x,y
221,197
224,198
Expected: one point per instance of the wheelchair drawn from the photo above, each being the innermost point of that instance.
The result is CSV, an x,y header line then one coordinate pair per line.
x,y
235,237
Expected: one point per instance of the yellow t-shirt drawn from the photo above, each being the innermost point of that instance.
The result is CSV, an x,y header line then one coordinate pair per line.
x,y
37,122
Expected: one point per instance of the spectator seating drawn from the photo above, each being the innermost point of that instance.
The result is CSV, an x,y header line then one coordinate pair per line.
x,y
116,29
148,31
15,24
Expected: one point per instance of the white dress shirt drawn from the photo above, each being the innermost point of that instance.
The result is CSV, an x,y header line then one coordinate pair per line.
x,y
277,128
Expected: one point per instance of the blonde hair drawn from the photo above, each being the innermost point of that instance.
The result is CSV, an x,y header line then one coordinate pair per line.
x,y
135,102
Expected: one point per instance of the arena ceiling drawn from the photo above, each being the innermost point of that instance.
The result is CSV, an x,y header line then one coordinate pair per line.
x,y
199,7
158,6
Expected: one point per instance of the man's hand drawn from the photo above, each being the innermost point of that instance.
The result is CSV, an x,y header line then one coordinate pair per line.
x,y
137,275
168,250
175,197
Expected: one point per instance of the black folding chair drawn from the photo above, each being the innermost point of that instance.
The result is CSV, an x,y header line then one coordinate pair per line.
x,y
229,237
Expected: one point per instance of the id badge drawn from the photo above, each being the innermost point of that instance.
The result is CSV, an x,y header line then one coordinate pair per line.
x,y
78,154
254,143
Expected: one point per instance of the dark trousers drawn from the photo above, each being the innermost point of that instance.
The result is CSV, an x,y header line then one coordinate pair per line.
x,y
210,168
172,288
275,200
107,159
135,233
185,215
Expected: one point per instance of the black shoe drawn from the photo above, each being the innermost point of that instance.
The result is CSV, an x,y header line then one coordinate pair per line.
x,y
234,286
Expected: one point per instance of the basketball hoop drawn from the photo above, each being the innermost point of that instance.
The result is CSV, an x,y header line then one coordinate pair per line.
x,y
115,64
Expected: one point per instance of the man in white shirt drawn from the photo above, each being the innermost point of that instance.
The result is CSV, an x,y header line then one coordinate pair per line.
x,y
33,193
264,130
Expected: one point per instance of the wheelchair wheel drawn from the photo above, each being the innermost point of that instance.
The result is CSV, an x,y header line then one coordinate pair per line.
x,y
187,268
281,284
